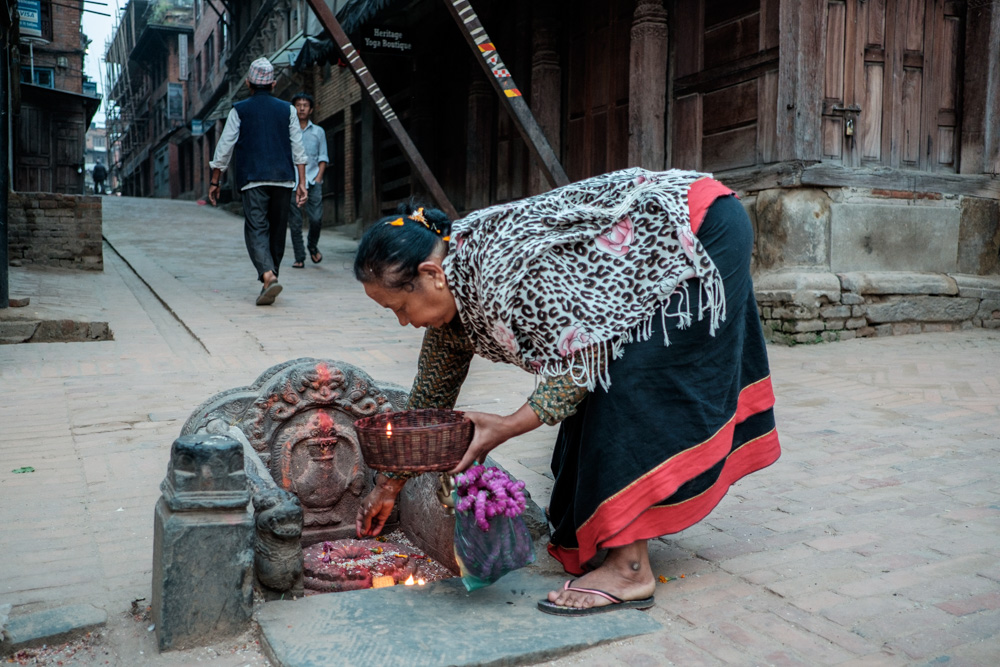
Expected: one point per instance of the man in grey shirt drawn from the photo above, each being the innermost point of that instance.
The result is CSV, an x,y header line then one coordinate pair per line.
x,y
314,142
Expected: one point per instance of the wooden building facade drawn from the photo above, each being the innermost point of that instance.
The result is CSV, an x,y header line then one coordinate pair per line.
x,y
826,115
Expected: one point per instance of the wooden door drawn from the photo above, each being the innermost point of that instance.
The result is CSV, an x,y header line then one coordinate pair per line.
x,y
69,158
597,94
891,86
33,171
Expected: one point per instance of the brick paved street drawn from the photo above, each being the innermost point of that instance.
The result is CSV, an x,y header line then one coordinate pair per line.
x,y
874,540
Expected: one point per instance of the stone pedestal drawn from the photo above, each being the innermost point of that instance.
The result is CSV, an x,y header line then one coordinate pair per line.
x,y
202,544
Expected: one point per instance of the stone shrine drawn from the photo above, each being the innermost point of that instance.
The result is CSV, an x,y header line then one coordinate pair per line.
x,y
299,416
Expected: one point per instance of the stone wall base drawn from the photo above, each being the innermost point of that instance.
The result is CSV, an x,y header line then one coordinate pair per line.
x,y
51,229
812,307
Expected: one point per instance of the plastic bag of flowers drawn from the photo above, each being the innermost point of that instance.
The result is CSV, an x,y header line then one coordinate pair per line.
x,y
491,537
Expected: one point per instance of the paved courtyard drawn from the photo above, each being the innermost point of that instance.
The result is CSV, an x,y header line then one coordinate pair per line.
x,y
874,540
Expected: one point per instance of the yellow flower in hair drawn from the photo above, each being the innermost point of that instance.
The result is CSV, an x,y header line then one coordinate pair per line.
x,y
418,215
398,222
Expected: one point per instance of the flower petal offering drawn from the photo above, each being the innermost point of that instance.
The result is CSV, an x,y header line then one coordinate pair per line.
x,y
491,537
488,492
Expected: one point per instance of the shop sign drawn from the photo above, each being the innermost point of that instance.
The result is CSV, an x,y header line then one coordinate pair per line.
x,y
383,40
30,12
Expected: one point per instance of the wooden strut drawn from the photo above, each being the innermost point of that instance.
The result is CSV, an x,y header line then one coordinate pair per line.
x,y
371,88
503,82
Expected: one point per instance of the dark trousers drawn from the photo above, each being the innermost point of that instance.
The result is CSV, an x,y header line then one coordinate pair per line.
x,y
314,212
265,211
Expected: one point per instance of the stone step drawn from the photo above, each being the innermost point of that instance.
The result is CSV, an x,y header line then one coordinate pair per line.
x,y
437,624
50,626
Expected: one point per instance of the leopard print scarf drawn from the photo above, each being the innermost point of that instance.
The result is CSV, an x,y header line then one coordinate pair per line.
x,y
558,283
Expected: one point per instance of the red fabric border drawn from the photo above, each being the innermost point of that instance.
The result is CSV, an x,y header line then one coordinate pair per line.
x,y
658,521
632,503
701,195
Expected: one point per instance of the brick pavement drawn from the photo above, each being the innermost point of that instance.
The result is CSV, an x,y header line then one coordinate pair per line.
x,y
872,541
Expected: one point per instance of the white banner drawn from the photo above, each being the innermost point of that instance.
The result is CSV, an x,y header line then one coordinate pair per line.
x,y
182,56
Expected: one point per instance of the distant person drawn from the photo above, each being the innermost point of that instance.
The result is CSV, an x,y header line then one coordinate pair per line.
x,y
314,141
100,175
264,141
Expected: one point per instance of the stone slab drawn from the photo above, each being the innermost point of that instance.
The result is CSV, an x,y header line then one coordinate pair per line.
x,y
898,282
977,287
875,237
437,624
793,281
50,626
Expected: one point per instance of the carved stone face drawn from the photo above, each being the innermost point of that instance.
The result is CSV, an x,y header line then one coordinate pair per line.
x,y
213,463
316,456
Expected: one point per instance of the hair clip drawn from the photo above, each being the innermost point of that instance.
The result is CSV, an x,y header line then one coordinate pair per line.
x,y
445,238
418,216
398,222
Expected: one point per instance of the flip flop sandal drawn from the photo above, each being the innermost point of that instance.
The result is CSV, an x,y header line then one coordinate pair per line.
x,y
268,293
616,603
314,255
299,265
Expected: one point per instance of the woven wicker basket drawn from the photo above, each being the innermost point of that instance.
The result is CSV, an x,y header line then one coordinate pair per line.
x,y
421,440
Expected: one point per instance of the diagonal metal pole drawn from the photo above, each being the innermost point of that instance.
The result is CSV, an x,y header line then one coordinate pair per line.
x,y
503,82
371,88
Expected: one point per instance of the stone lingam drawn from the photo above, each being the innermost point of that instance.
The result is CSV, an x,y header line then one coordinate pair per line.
x,y
297,422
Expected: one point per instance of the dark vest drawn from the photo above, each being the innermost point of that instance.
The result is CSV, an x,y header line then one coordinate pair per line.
x,y
264,150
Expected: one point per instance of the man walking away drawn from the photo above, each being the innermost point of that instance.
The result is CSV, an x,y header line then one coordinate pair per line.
x,y
314,141
263,139
100,173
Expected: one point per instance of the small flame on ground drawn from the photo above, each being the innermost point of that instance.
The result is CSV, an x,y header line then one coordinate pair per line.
x,y
420,582
409,581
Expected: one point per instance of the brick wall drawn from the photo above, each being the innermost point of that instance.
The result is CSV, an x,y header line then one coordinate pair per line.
x,y
812,307
335,90
66,42
51,229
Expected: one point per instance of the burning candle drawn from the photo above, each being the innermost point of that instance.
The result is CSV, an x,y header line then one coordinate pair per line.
x,y
388,429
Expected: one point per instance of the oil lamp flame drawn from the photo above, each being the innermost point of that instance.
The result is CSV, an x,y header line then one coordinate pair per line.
x,y
409,581
420,582
388,429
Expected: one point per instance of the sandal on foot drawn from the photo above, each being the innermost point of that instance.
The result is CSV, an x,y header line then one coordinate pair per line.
x,y
316,257
299,265
616,603
268,292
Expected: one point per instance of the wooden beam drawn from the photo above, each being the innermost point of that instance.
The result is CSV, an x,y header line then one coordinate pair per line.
x,y
374,93
503,83
887,178
798,173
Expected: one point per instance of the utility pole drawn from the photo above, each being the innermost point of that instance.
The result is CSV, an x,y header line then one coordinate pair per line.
x,y
5,100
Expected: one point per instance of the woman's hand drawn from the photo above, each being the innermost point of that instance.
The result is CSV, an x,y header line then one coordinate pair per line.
x,y
377,506
492,431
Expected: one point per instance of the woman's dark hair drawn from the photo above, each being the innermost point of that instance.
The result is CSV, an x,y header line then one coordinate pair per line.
x,y
304,96
390,253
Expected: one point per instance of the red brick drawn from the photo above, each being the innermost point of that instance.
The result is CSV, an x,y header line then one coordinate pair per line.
x,y
988,601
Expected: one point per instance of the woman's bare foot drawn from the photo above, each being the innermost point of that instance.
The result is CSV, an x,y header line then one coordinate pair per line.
x,y
625,574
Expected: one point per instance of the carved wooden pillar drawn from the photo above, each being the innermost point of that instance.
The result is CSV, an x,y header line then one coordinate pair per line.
x,y
479,142
647,98
546,94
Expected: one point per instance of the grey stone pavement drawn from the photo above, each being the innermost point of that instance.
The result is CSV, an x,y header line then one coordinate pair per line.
x,y
874,540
